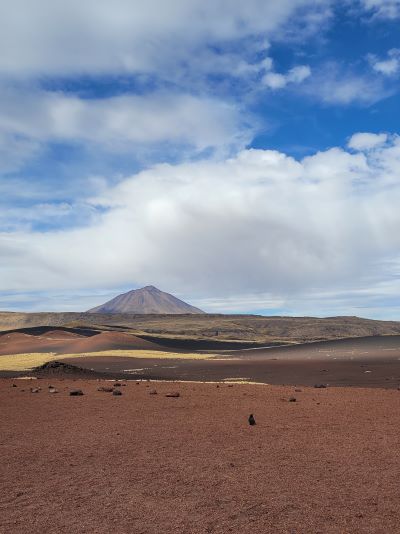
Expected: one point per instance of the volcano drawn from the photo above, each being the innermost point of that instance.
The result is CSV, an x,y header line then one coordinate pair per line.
x,y
146,300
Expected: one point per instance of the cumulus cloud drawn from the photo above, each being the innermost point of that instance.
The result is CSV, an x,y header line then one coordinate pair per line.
x,y
261,222
364,141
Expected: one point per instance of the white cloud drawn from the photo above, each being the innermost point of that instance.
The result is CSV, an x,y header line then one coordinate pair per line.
x,y
389,66
275,80
16,150
261,222
74,37
332,85
386,9
119,122
366,141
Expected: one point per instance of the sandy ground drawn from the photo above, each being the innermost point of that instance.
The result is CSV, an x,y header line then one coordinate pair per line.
x,y
141,463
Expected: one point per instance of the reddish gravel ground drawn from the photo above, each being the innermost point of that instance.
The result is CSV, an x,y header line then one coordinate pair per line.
x,y
141,463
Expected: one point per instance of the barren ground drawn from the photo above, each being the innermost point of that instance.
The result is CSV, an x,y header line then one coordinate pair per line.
x,y
141,463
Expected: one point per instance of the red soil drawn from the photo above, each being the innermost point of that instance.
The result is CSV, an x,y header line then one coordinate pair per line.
x,y
61,334
70,343
110,341
140,463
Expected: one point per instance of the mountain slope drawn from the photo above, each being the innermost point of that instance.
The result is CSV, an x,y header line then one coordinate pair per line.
x,y
149,299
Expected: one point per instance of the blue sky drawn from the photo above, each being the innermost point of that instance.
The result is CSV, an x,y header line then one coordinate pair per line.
x,y
243,156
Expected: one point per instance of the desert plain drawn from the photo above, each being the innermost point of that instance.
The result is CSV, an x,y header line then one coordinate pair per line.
x,y
319,459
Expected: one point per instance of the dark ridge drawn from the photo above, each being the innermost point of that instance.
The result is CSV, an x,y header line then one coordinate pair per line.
x,y
205,344
40,330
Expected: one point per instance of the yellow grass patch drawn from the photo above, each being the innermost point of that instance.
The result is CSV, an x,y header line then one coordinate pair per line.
x,y
25,362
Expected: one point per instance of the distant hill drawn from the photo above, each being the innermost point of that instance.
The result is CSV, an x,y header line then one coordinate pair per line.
x,y
244,328
148,299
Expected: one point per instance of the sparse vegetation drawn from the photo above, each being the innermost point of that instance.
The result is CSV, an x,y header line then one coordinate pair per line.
x,y
26,362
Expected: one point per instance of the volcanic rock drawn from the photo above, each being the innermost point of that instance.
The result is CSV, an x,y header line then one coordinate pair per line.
x,y
76,392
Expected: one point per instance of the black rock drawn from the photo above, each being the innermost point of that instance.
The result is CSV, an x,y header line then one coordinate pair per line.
x,y
320,386
76,392
117,392
251,420
292,399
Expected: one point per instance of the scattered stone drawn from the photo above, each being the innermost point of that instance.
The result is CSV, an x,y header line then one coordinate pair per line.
x,y
117,385
35,390
230,385
298,390
217,385
117,392
53,390
251,420
153,392
319,386
105,389
292,399
174,394
14,385
76,392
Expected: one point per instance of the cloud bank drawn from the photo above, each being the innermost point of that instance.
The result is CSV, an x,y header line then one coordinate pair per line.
x,y
261,221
